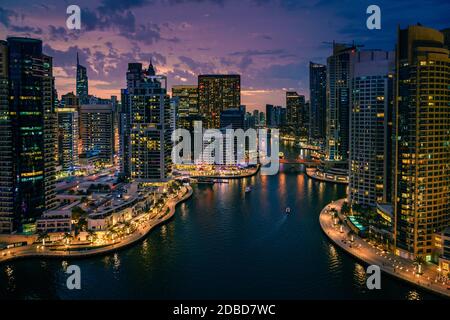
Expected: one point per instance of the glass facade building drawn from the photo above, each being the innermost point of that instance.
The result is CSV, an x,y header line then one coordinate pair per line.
x,y
422,148
337,115
318,100
29,128
371,104
216,94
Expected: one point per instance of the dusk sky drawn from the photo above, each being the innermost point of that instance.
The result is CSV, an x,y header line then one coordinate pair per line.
x,y
268,42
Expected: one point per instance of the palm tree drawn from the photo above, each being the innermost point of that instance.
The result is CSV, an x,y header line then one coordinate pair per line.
x,y
67,236
92,236
43,235
351,235
112,234
127,226
419,260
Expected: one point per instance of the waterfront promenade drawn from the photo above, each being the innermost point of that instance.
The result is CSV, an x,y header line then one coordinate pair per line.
x,y
244,174
371,255
39,251
312,173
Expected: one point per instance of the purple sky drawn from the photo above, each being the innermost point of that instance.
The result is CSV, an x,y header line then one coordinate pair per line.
x,y
268,42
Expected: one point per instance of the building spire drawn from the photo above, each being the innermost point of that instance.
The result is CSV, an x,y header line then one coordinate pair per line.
x,y
151,69
78,60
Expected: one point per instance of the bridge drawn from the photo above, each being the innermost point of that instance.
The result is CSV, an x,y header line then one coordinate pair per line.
x,y
309,163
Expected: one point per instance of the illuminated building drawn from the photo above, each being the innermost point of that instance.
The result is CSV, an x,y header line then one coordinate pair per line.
x,y
216,94
68,125
187,106
295,112
82,83
276,116
232,119
150,125
97,132
70,100
6,156
28,157
370,127
318,100
422,140
337,115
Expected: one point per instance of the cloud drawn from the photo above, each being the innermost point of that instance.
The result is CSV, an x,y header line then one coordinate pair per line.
x,y
196,66
115,5
26,29
253,52
6,15
291,71
63,34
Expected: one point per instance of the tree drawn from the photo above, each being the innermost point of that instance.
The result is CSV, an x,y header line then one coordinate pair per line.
x,y
92,235
345,208
82,224
419,261
67,237
351,235
42,236
111,234
78,213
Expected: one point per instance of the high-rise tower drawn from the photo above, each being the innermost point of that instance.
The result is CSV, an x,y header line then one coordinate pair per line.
x,y
28,158
371,104
216,94
422,140
147,140
338,72
82,83
318,100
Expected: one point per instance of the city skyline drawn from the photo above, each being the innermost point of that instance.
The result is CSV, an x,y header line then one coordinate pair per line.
x,y
208,135
272,58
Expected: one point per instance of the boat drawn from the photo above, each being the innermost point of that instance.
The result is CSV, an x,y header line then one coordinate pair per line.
x,y
248,189
288,210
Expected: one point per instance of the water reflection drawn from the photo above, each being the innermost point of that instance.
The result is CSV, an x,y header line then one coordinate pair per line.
x,y
413,295
11,283
359,275
258,251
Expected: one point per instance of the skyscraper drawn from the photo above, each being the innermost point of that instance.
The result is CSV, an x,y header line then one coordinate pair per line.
x,y
371,76
6,154
68,126
71,101
82,83
216,94
295,115
232,119
28,154
338,70
150,125
97,133
124,134
271,119
422,140
187,105
318,100
188,99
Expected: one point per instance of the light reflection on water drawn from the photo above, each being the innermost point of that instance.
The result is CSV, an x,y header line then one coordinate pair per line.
x,y
222,243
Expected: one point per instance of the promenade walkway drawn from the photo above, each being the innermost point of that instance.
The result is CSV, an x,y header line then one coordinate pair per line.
x,y
36,250
312,173
389,263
